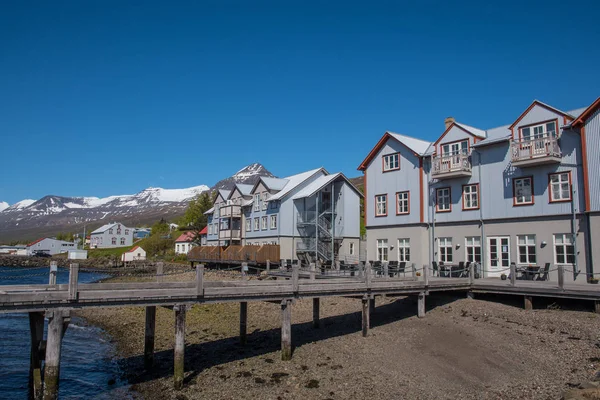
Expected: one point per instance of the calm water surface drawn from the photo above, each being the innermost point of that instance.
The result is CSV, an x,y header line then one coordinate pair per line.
x,y
88,367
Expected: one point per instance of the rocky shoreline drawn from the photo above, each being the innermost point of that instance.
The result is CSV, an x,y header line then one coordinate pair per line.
x,y
93,263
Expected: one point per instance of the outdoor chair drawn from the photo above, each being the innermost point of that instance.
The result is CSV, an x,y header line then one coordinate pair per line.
x,y
402,268
377,268
465,272
543,274
436,269
392,268
459,271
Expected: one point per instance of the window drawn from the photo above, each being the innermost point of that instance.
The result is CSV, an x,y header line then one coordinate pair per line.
x,y
391,162
443,200
265,203
382,250
178,248
351,248
473,249
118,231
445,249
402,203
523,191
404,250
526,249
381,205
471,197
113,241
122,241
217,208
564,250
248,225
256,223
559,187
127,231
110,231
547,129
257,202
273,221
455,148
264,222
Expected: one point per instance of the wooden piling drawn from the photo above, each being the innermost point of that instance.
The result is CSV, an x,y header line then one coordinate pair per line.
x,y
365,316
159,271
56,329
36,327
53,272
528,303
316,312
200,280
426,274
421,305
561,277
243,322
471,275
268,266
597,306
372,305
73,281
149,336
513,274
286,330
313,270
295,278
244,271
178,368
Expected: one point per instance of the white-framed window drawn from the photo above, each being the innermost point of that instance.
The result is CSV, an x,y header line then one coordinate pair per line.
x,y
257,202
471,197
351,248
526,249
110,231
404,250
256,223
265,202
442,196
122,241
455,148
382,250
391,162
217,209
381,205
118,231
402,203
445,249
547,129
473,249
112,241
560,187
564,249
523,191
127,231
264,222
248,225
273,221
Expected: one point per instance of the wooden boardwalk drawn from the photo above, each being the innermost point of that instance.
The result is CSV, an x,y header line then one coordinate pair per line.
x,y
55,301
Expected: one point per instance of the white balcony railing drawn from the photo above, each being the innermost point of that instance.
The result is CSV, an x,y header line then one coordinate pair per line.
x,y
453,164
231,210
230,234
539,148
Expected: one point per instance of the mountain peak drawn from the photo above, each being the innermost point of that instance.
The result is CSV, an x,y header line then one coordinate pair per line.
x,y
249,175
3,206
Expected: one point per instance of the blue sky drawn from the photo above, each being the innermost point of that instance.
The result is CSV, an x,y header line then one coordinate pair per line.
x,y
110,97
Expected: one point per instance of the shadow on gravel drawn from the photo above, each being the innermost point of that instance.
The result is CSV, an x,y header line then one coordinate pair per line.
x,y
539,303
216,352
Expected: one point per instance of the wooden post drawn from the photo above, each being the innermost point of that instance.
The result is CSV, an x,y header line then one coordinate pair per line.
x,y
471,273
268,266
368,275
313,270
53,272
73,278
36,327
316,312
561,277
337,265
421,305
361,270
528,303
244,271
200,280
386,270
282,263
149,337
159,271
243,322
295,278
425,275
372,305
365,316
178,369
513,274
597,306
56,329
286,330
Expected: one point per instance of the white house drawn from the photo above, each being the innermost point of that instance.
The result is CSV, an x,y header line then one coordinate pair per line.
x,y
135,254
184,243
111,235
49,246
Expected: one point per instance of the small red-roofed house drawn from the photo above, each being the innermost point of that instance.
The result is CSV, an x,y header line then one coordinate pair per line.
x,y
135,254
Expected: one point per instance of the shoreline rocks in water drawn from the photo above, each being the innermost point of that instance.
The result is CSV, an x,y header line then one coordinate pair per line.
x,y
99,263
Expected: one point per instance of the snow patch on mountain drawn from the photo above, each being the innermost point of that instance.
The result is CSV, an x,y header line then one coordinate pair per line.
x,y
3,206
20,205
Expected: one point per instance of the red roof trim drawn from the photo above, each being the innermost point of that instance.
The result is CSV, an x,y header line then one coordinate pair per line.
x,y
536,102
37,241
378,147
588,111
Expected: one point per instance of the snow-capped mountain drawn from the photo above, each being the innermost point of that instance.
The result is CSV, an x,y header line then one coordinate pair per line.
x,y
52,214
3,206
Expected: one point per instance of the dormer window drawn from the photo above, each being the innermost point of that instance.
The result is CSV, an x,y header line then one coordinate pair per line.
x,y
547,129
451,149
391,162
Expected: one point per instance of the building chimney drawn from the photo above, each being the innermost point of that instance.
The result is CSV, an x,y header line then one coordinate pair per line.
x,y
448,121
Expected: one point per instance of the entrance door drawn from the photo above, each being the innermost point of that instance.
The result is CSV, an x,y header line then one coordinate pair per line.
x,y
498,255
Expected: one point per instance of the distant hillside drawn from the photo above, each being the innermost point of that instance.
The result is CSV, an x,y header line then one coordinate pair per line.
x,y
358,182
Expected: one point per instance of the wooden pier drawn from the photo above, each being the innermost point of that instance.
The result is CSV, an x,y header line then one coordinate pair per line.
x,y
57,300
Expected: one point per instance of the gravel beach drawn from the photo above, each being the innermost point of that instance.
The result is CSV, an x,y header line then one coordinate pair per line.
x,y
462,349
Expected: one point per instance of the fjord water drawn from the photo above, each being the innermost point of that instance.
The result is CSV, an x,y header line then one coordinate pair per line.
x,y
88,366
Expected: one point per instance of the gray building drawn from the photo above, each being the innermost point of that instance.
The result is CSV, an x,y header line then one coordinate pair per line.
x,y
50,246
110,235
311,215
509,194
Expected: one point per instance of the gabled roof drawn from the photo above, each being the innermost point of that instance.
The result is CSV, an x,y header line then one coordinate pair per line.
x,y
320,183
586,114
543,105
224,193
34,242
294,181
209,211
417,146
134,248
106,227
243,188
186,237
204,230
474,131
273,183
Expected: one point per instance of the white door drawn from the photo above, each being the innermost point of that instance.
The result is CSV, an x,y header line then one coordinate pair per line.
x,y
498,260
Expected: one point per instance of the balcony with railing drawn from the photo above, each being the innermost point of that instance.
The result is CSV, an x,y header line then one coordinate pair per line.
x,y
230,234
538,151
231,211
451,166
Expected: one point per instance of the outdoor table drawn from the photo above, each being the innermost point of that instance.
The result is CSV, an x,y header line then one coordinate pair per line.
x,y
446,270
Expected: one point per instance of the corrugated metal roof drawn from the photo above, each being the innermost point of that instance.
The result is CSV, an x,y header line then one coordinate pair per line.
x,y
492,141
293,181
104,228
244,189
315,186
417,145
477,132
274,183
186,237
224,193
210,211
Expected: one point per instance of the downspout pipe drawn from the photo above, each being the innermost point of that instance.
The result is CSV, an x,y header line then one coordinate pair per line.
x,y
481,221
574,233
